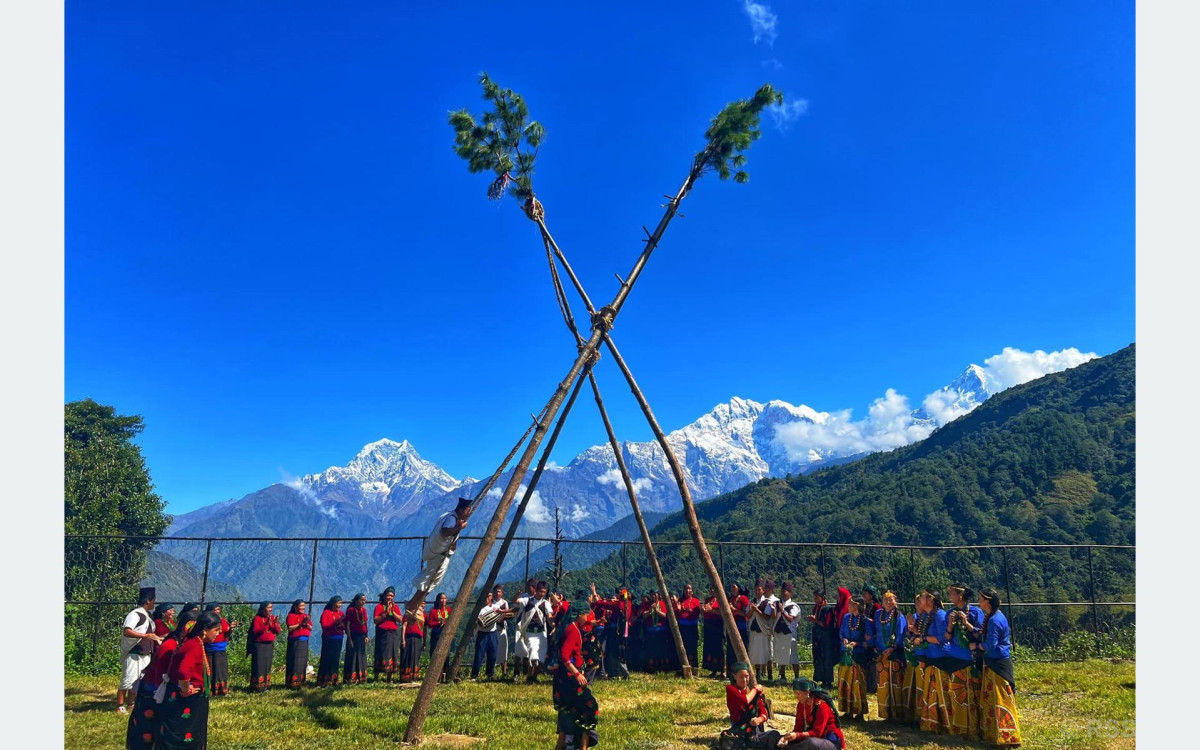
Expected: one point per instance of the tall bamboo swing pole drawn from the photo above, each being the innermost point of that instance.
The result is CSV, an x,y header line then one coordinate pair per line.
x,y
601,322
512,528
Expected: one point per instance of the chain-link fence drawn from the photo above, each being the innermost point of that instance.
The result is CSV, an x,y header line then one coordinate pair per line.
x,y
1063,601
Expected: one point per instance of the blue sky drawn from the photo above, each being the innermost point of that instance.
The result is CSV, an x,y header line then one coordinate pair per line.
x,y
274,256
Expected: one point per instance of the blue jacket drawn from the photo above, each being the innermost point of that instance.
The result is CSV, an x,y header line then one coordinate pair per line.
x,y
997,639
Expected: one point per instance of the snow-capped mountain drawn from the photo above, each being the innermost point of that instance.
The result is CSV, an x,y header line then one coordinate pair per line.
x,y
386,479
388,489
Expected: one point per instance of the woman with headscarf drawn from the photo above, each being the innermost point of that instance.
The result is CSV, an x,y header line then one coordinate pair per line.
x,y
357,624
185,716
578,712
147,710
333,634
826,646
934,700
261,644
998,719
714,634
414,644
914,648
299,627
888,632
739,603
852,676
839,611
436,619
960,690
747,712
218,658
164,620
816,726
657,639
387,634
870,596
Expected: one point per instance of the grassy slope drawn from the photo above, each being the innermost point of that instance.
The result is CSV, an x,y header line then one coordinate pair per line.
x,y
1082,705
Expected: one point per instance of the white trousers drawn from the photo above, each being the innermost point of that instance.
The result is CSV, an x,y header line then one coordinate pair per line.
x,y
431,574
783,649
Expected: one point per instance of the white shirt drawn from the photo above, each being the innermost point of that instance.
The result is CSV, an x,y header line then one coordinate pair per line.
x,y
436,544
790,607
139,621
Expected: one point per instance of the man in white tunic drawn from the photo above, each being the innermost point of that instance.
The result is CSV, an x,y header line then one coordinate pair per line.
x,y
137,645
783,636
532,629
520,648
439,547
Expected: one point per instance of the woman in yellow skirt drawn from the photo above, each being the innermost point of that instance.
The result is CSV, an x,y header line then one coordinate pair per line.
x,y
960,682
856,658
914,645
934,703
888,630
997,709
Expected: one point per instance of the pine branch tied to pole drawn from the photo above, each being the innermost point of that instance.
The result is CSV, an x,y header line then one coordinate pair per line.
x,y
732,131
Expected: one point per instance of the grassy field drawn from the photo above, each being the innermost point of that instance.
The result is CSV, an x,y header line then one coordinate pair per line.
x,y
1078,705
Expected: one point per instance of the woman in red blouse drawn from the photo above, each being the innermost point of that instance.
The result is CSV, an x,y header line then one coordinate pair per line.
x,y
578,712
435,619
261,645
164,620
739,603
185,712
714,634
816,725
146,714
387,638
747,710
218,659
687,614
414,643
299,627
357,623
333,632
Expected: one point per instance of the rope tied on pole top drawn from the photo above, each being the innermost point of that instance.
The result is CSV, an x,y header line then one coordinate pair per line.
x,y
593,356
533,209
602,319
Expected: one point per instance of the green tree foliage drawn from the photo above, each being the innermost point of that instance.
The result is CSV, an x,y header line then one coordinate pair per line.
x,y
732,131
107,490
493,141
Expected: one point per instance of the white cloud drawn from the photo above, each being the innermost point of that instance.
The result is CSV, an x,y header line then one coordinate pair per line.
x,y
578,513
297,484
1013,366
783,115
762,21
891,422
536,511
613,477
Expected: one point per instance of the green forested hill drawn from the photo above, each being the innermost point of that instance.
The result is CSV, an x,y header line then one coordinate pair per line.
x,y
1047,462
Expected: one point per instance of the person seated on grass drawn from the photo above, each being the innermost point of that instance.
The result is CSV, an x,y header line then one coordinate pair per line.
x,y
816,725
748,712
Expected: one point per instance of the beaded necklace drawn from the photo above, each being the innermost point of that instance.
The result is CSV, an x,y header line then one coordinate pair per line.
x,y
855,622
885,619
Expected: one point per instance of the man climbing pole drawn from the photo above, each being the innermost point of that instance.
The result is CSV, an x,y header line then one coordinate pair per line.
x,y
437,550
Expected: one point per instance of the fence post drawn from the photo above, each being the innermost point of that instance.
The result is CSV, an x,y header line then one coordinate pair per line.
x,y
912,570
624,566
204,581
312,578
823,584
527,554
1012,611
1095,614
721,557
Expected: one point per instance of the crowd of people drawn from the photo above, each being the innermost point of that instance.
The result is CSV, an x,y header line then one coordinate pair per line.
x,y
945,670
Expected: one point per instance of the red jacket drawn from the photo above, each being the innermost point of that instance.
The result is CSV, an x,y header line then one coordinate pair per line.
x,y
715,604
301,619
264,629
818,721
161,663
392,622
357,618
225,630
436,618
688,610
572,647
735,700
188,663
333,622
739,605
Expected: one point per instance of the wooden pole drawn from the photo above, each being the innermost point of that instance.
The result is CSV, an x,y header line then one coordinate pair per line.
x,y
672,621
689,508
512,528
602,321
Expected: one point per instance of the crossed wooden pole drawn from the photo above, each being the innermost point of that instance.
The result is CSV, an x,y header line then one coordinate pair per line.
x,y
601,324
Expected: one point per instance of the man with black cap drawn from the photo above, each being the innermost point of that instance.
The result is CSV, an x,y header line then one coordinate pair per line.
x,y
137,644
436,553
